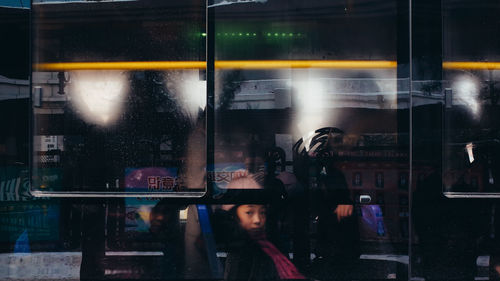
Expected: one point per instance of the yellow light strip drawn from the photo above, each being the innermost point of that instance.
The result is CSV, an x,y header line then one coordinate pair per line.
x,y
250,64
277,64
253,64
471,65
121,65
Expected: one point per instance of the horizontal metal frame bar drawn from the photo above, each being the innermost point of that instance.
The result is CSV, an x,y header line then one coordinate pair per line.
x,y
111,194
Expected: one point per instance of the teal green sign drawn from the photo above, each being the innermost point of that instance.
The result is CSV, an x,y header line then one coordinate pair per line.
x,y
20,213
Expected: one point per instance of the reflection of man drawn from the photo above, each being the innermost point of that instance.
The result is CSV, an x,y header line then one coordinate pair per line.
x,y
165,226
334,203
337,239
337,244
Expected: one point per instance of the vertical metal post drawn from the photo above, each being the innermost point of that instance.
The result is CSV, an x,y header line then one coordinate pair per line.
x,y
410,106
210,71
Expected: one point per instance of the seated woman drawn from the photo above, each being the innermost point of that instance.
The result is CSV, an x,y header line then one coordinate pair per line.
x,y
251,256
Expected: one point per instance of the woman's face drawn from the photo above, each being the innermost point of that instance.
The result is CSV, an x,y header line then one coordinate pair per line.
x,y
252,217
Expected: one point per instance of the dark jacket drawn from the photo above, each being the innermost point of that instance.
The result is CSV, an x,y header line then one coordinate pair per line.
x,y
332,190
249,262
336,240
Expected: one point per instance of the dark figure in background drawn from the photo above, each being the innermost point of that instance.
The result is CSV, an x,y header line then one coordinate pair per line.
x,y
337,247
290,217
448,228
165,227
263,171
93,240
490,244
337,244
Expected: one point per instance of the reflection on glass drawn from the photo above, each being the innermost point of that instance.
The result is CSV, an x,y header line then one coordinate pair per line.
x,y
471,140
131,120
466,92
310,101
291,77
455,139
120,99
98,95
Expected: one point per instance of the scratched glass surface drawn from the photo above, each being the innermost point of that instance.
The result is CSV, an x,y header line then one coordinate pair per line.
x,y
312,104
119,98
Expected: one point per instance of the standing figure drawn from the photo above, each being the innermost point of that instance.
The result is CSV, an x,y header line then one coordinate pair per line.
x,y
337,247
330,206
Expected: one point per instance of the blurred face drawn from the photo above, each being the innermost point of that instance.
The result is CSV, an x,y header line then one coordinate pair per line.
x,y
156,220
252,217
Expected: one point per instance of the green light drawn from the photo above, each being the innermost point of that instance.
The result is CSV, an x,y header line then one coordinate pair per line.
x,y
204,34
274,34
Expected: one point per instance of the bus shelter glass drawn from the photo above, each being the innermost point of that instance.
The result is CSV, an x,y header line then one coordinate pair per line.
x,y
312,104
455,140
471,151
118,98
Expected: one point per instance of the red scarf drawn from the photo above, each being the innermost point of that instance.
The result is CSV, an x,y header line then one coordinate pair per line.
x,y
285,268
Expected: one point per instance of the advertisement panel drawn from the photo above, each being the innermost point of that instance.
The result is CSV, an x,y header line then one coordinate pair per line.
x,y
149,179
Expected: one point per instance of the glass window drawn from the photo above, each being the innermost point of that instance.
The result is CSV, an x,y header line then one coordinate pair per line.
x,y
119,98
471,133
454,140
312,104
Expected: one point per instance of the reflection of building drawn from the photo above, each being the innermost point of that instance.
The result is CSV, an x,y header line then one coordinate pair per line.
x,y
330,92
14,95
47,104
385,193
11,89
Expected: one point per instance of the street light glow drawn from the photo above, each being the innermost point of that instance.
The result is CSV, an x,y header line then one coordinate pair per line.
x,y
98,95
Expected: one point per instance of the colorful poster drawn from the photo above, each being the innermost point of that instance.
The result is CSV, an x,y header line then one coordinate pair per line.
x,y
137,214
149,179
223,173
372,224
